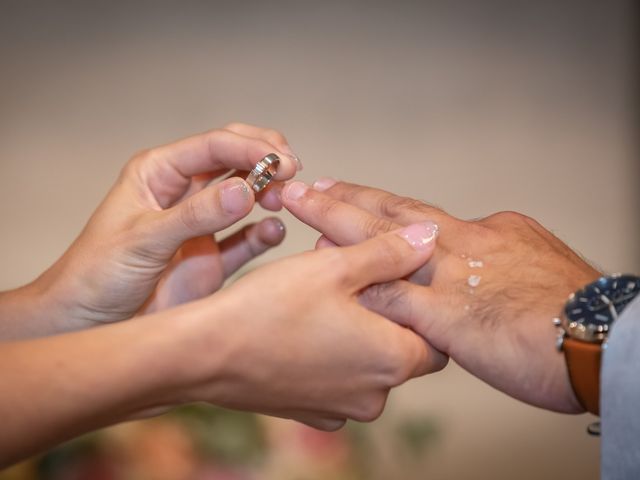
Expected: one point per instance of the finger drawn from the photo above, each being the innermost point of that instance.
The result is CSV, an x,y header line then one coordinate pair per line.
x,y
407,304
402,210
390,256
340,222
169,168
420,357
321,423
211,210
249,242
318,419
274,137
200,182
269,197
324,242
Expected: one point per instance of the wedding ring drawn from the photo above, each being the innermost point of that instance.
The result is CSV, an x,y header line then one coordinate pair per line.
x,y
263,172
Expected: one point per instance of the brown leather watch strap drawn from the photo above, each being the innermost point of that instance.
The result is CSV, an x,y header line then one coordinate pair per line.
x,y
583,363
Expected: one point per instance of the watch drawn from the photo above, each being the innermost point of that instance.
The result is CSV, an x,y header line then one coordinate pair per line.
x,y
584,326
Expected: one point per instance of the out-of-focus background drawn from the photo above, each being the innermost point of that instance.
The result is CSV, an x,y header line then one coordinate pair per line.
x,y
474,106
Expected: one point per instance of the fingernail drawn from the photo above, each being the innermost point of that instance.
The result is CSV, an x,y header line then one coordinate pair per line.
x,y
295,190
323,184
234,196
290,153
273,226
296,159
420,235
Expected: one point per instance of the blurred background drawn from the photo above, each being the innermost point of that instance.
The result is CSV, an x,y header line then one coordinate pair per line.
x,y
474,106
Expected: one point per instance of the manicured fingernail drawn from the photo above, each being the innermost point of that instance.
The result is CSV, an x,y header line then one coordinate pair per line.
x,y
234,196
295,190
420,235
323,184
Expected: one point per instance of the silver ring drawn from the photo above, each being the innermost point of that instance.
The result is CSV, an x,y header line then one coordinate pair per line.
x,y
263,172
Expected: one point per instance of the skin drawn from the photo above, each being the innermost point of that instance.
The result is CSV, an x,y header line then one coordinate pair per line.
x,y
290,339
500,330
228,351
150,244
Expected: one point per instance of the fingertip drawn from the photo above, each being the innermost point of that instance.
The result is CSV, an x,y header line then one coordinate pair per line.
x,y
271,198
288,167
271,231
324,242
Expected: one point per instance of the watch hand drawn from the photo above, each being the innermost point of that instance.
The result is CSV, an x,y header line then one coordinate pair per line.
x,y
612,308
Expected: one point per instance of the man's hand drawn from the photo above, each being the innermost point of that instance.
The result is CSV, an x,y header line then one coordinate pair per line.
x,y
150,244
488,296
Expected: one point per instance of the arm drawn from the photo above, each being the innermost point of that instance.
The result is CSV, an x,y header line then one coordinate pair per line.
x,y
488,296
303,321
150,244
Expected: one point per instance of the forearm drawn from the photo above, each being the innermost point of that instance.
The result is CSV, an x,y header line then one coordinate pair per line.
x,y
56,388
27,313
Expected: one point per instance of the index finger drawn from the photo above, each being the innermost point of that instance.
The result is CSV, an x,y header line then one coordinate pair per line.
x,y
168,170
399,209
340,222
219,149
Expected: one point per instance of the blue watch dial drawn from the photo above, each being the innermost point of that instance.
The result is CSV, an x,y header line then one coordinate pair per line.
x,y
599,303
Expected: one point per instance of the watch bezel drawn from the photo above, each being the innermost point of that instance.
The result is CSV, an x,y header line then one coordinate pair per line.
x,y
590,333
586,332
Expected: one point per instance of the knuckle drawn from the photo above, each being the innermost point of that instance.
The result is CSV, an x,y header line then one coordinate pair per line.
x,y
402,365
372,408
326,207
192,214
140,157
394,206
408,357
234,126
274,137
506,217
388,297
335,262
373,226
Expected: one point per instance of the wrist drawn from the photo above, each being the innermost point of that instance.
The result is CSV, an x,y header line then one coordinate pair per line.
x,y
28,312
189,348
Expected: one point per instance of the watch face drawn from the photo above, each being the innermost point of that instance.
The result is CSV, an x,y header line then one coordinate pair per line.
x,y
590,311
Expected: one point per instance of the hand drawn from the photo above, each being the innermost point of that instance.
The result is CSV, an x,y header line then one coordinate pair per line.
x,y
293,340
289,339
150,243
488,296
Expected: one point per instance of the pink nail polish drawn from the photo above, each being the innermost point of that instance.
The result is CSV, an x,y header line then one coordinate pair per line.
x,y
420,235
323,184
295,190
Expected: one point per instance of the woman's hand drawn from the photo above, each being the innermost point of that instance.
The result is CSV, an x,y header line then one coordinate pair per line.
x,y
150,243
488,296
289,339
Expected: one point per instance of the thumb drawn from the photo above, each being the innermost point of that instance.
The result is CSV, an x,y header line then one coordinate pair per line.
x,y
391,256
212,209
